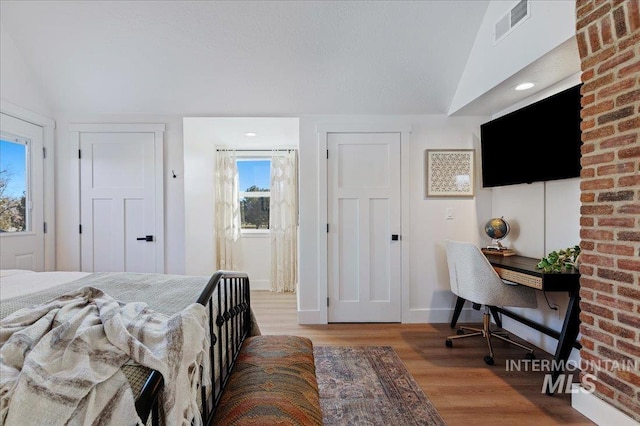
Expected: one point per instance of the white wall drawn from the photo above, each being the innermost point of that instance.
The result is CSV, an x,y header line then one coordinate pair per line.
x,y
18,83
550,23
256,260
68,190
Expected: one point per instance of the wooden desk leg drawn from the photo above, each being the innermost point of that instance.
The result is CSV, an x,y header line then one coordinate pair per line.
x,y
456,312
568,335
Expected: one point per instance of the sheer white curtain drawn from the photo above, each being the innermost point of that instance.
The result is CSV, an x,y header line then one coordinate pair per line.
x,y
283,220
227,219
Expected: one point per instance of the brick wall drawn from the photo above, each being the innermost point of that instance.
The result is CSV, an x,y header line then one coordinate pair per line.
x,y
608,34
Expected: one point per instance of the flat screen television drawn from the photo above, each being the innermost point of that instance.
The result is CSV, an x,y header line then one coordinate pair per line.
x,y
539,142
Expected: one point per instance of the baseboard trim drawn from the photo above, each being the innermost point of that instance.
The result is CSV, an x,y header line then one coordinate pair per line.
x,y
597,410
435,316
310,317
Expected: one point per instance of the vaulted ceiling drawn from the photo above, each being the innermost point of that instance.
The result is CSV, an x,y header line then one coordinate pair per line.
x,y
246,57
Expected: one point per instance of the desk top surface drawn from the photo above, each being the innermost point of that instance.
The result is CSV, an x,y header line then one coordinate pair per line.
x,y
524,264
516,262
527,265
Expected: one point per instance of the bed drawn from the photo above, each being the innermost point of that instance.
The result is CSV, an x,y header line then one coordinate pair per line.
x,y
139,315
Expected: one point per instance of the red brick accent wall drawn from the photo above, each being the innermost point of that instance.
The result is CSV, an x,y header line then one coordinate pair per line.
x,y
608,35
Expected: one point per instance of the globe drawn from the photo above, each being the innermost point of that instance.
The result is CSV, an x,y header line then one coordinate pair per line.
x,y
497,228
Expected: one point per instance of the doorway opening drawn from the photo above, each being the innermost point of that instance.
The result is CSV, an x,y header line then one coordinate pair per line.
x,y
257,145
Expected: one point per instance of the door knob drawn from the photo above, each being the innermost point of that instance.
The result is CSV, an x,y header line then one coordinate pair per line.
x,y
146,238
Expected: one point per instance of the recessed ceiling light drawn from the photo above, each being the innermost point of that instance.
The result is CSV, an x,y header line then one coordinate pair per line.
x,y
250,134
524,86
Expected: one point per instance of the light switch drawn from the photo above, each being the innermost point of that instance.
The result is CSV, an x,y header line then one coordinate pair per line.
x,y
449,214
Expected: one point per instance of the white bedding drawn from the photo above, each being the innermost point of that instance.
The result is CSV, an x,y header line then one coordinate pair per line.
x,y
77,344
18,282
165,296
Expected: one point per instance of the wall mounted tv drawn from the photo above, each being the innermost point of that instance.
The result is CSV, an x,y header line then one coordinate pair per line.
x,y
539,142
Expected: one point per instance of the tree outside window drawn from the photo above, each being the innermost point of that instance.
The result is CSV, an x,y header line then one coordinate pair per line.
x,y
255,192
13,187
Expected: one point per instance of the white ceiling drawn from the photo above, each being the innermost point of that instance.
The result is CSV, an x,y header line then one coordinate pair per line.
x,y
247,58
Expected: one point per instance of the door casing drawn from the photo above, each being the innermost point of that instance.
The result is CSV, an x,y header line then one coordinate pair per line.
x,y
48,129
321,315
157,132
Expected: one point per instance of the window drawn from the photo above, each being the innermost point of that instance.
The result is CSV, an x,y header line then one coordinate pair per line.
x,y
14,157
254,181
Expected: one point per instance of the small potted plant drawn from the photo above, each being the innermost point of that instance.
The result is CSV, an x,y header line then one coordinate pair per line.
x,y
555,261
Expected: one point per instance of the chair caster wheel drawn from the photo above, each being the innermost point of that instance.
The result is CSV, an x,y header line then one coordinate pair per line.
x,y
530,355
489,360
460,332
448,343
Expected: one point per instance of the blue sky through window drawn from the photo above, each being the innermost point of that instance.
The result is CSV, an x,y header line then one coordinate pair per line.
x,y
254,172
13,159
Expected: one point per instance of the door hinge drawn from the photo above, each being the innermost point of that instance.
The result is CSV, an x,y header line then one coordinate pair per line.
x,y
79,154
327,228
80,228
44,227
327,302
44,152
327,154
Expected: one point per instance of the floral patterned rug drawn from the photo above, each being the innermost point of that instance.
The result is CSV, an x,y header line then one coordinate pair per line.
x,y
369,385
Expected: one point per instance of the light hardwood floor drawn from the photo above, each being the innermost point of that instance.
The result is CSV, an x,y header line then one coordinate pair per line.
x,y
461,386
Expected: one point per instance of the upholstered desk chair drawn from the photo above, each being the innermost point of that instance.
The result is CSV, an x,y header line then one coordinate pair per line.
x,y
473,278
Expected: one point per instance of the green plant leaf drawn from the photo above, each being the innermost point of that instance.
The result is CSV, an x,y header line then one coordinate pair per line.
x,y
558,259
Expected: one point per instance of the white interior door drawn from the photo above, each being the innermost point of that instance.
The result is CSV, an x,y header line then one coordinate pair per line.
x,y
21,195
364,259
121,217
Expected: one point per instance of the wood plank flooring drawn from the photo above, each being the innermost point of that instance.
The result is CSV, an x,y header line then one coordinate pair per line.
x,y
461,386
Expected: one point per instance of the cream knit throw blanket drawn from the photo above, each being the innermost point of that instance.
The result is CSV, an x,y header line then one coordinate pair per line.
x,y
60,361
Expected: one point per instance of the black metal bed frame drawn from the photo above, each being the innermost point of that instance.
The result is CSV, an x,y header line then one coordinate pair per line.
x,y
227,330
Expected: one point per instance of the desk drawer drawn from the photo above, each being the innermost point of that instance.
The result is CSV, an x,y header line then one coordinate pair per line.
x,y
519,277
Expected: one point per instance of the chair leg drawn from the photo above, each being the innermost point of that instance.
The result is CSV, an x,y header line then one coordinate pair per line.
x,y
496,317
526,348
456,311
462,335
487,333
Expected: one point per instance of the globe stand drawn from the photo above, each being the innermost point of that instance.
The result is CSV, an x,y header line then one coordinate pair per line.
x,y
497,245
498,249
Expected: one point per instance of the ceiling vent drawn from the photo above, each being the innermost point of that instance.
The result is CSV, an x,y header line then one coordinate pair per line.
x,y
518,14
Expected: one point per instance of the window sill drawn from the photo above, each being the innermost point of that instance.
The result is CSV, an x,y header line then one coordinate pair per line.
x,y
257,233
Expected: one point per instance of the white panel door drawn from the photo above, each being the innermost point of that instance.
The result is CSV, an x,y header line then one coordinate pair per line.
x,y
364,259
121,218
21,195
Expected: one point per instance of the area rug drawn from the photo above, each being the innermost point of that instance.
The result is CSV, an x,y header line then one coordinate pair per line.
x,y
369,385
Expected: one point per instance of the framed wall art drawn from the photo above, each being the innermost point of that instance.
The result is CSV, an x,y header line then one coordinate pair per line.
x,y
449,172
